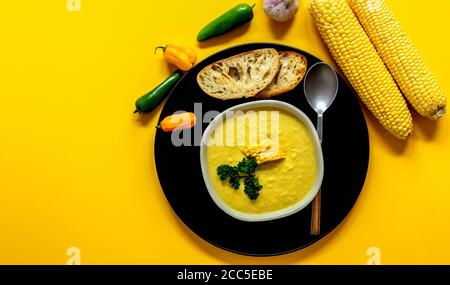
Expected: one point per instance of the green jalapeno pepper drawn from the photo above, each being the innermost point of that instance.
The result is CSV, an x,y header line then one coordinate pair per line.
x,y
149,101
235,17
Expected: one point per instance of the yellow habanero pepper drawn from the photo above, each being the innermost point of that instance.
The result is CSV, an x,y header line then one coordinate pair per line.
x,y
182,57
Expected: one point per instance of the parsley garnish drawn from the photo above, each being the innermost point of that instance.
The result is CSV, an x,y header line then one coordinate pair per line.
x,y
245,169
247,166
252,187
227,172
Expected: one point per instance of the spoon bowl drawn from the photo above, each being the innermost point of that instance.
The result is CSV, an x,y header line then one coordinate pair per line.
x,y
321,86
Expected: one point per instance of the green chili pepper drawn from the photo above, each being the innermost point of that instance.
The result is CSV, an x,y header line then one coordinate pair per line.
x,y
235,17
150,100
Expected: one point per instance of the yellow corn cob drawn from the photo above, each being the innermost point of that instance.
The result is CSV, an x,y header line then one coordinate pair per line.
x,y
264,153
361,64
398,52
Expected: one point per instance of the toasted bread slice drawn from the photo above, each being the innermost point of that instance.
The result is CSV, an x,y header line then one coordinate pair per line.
x,y
293,67
243,75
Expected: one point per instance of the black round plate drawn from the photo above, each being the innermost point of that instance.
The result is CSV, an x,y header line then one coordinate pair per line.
x,y
346,156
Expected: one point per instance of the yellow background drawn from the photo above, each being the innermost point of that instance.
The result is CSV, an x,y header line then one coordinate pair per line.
x,y
77,169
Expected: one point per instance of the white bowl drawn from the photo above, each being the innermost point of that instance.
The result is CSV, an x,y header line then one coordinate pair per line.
x,y
270,215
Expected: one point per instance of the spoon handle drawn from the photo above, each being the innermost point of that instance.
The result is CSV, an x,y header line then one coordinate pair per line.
x,y
315,217
320,126
316,205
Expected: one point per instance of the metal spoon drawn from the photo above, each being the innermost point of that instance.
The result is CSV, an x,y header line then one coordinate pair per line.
x,y
321,86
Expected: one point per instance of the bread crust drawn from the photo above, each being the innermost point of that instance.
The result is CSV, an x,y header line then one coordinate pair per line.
x,y
288,60
240,76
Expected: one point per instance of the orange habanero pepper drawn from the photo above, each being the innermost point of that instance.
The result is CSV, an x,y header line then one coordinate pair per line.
x,y
178,122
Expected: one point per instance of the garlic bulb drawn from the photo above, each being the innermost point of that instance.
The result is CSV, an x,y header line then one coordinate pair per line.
x,y
281,10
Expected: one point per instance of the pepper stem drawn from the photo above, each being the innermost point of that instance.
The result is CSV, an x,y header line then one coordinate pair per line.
x,y
161,47
136,111
253,5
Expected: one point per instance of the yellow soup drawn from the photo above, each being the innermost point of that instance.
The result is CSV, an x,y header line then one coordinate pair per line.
x,y
285,182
